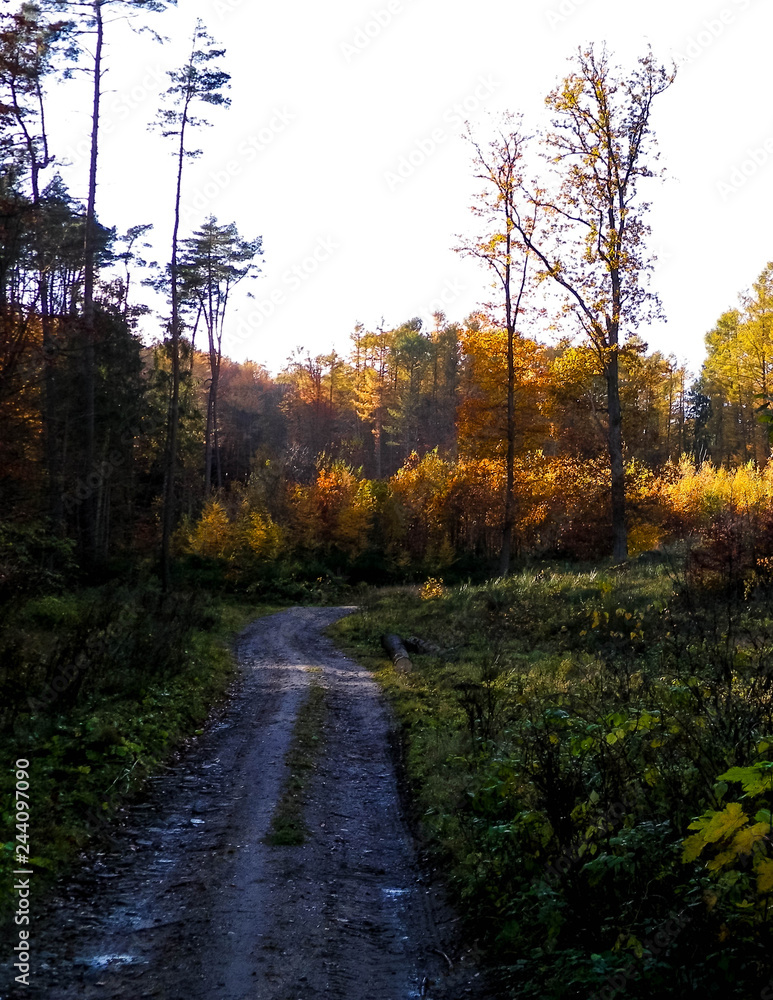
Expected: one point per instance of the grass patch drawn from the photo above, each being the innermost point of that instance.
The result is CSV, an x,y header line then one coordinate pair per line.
x,y
288,826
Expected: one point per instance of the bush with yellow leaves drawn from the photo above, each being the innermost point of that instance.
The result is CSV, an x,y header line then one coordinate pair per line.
x,y
248,534
431,588
213,536
732,841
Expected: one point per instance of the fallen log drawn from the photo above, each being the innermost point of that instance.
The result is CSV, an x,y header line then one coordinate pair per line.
x,y
393,644
416,645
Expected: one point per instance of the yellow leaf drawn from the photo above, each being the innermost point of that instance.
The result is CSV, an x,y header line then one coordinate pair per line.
x,y
721,824
745,839
721,860
765,875
692,847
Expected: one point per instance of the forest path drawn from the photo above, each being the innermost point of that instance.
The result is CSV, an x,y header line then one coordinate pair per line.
x,y
191,903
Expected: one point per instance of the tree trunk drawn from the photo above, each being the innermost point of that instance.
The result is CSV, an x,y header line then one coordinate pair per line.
x,y
50,394
512,312
215,430
393,644
208,447
50,410
377,444
170,459
170,462
509,518
615,446
89,269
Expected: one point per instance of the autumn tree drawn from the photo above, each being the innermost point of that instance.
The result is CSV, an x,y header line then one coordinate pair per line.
x,y
443,382
198,81
213,261
757,338
729,393
492,371
502,248
333,514
594,249
89,20
251,426
43,240
736,377
317,403
652,399
410,358
652,402
374,389
28,49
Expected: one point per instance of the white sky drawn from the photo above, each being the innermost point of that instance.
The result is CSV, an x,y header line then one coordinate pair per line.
x,y
332,100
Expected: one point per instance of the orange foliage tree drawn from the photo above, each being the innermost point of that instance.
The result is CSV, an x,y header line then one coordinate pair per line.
x,y
335,512
482,410
421,489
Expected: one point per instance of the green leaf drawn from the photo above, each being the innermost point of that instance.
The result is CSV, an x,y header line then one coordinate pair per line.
x,y
720,790
756,779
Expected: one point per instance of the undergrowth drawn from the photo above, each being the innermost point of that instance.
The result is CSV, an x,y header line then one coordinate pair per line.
x,y
559,748
98,688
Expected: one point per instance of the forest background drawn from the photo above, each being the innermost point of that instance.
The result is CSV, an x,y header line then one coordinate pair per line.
x,y
153,493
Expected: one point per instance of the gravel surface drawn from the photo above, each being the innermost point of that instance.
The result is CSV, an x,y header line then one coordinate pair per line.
x,y
190,903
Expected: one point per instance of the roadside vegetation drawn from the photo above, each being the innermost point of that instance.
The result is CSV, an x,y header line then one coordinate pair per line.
x,y
98,686
590,757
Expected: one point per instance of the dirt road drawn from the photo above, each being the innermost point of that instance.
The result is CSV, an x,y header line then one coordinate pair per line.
x,y
190,903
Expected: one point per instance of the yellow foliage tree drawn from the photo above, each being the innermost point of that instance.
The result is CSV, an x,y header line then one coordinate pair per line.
x,y
336,511
421,488
214,535
250,532
482,412
697,494
259,535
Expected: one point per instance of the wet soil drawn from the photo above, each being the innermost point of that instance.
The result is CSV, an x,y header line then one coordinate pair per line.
x,y
189,902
